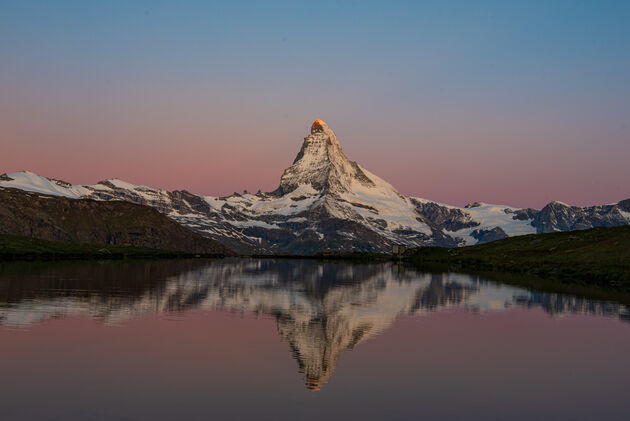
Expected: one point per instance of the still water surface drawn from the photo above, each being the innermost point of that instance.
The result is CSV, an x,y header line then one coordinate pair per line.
x,y
289,339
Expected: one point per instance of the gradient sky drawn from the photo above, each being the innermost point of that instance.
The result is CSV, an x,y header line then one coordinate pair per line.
x,y
514,103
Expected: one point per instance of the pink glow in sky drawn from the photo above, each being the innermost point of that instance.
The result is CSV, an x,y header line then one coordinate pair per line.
x,y
218,157
497,103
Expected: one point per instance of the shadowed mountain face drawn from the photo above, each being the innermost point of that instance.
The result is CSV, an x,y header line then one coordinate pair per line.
x,y
90,221
321,309
325,202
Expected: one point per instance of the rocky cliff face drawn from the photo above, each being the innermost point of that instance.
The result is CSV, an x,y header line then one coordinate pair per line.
x,y
322,164
325,202
557,216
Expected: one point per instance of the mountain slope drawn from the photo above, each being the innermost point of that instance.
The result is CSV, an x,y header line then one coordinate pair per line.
x,y
89,221
325,202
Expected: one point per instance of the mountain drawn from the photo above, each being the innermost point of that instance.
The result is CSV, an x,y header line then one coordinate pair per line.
x,y
325,202
93,221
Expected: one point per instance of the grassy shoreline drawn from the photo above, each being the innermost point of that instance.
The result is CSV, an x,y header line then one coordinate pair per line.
x,y
598,257
594,263
13,247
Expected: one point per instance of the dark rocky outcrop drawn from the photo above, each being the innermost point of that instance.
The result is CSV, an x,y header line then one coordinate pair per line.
x,y
450,219
485,236
524,214
624,205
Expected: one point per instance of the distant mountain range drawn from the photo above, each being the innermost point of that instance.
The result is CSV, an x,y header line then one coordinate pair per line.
x,y
325,202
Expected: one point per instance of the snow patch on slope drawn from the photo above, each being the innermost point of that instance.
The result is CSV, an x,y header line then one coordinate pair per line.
x,y
382,201
489,217
28,181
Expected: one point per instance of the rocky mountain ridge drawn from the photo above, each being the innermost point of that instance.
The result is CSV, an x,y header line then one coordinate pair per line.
x,y
325,202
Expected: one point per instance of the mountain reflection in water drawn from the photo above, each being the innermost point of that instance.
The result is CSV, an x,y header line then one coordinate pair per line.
x,y
321,308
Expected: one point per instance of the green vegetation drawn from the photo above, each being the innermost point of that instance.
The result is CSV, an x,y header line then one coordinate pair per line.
x,y
597,257
13,247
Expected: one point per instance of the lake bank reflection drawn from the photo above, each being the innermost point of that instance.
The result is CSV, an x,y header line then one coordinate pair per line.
x,y
321,309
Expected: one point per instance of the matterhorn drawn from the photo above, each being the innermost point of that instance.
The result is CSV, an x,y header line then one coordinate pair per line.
x,y
328,203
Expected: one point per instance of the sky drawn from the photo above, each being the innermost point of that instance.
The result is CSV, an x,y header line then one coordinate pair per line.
x,y
516,103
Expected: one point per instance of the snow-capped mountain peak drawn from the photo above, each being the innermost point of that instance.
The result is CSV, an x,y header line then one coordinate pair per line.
x,y
325,202
322,164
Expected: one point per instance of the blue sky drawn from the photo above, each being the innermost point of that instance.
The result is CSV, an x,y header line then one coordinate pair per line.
x,y
424,94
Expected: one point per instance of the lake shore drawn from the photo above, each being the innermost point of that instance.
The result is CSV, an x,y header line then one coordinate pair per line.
x,y
595,258
593,262
16,248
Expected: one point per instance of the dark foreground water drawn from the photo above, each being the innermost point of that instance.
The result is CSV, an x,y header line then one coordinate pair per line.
x,y
263,339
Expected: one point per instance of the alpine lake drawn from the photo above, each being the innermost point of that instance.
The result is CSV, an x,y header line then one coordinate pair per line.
x,y
289,339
